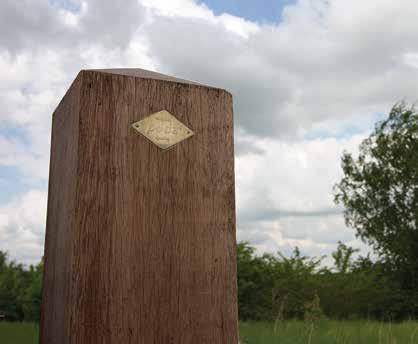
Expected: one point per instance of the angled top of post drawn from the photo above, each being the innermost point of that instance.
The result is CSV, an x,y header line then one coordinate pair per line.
x,y
146,74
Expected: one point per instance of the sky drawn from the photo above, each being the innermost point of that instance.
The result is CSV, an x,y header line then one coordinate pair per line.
x,y
309,80
265,11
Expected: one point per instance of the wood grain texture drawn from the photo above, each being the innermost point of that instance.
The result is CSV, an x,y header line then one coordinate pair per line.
x,y
140,244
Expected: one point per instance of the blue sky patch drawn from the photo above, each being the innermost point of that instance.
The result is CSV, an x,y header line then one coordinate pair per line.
x,y
11,184
265,11
67,4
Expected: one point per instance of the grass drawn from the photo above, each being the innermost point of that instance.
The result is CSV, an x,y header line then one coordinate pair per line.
x,y
18,333
327,332
289,332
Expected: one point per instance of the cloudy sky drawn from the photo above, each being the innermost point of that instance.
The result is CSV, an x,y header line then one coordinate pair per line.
x,y
309,79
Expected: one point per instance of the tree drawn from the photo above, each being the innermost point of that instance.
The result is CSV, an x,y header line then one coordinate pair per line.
x,y
379,190
296,283
20,289
256,276
32,294
343,257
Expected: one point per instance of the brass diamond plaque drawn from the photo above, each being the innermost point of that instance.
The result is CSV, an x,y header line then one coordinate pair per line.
x,y
163,129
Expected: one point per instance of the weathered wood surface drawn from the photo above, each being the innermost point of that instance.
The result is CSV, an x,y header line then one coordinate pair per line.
x,y
140,243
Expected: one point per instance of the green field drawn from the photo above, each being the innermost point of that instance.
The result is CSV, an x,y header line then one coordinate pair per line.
x,y
327,332
18,333
290,332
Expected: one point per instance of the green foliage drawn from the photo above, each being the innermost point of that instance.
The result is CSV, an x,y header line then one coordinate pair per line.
x,y
20,290
343,258
295,283
255,282
275,287
313,310
379,191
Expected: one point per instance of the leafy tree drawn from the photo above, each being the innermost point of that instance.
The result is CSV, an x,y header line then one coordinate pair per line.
x,y
32,294
276,287
20,290
379,190
343,257
296,282
255,282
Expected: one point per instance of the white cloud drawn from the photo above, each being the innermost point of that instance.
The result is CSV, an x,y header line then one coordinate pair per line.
x,y
284,194
320,63
36,71
178,8
290,177
329,69
22,224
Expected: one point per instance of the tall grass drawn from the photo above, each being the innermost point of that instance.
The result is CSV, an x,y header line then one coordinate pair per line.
x,y
329,332
288,332
18,333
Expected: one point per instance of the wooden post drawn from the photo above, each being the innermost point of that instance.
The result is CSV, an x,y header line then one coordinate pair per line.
x,y
140,240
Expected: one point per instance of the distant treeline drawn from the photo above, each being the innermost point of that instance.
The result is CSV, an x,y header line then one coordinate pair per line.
x,y
20,290
270,287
